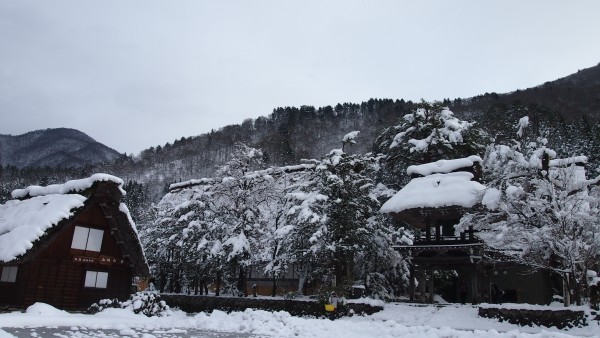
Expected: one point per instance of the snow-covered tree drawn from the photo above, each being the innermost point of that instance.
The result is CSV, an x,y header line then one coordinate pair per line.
x,y
273,254
429,134
333,227
540,211
237,204
320,217
216,224
171,242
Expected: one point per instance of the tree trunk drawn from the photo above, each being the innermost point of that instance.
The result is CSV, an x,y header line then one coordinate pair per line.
x,y
163,281
566,291
242,281
274,290
218,286
301,280
575,286
344,266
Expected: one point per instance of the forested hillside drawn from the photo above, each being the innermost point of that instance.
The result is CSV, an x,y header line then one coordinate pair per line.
x,y
567,109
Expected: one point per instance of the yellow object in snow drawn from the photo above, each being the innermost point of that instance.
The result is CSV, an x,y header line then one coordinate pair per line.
x,y
329,307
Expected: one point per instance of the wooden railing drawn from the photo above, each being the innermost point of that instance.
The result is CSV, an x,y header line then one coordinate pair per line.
x,y
444,240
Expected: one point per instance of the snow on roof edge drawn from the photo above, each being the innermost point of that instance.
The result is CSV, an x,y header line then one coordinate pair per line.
x,y
443,166
67,187
434,191
124,209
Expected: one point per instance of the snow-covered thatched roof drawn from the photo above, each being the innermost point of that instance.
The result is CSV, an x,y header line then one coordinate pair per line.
x,y
437,190
23,222
35,210
68,187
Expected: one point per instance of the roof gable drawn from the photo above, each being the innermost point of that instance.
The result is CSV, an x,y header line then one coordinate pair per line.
x,y
37,211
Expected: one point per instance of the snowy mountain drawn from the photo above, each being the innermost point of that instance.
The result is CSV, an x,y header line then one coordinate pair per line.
x,y
60,147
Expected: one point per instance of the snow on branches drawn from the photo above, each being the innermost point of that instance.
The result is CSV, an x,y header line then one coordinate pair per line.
x,y
321,215
429,134
539,210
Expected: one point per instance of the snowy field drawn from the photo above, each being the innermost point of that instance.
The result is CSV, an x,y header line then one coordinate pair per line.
x,y
396,320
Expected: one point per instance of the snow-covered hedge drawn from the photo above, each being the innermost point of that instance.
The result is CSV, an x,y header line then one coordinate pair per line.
x,y
527,315
147,303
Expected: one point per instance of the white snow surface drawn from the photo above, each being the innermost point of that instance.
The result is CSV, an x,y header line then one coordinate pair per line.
x,y
124,209
523,123
396,320
443,166
491,198
437,190
23,222
67,187
563,162
350,137
592,278
190,182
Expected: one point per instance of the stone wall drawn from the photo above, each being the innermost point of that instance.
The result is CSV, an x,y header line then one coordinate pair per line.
x,y
527,317
294,307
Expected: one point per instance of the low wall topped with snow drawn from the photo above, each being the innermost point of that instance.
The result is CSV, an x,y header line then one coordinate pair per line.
x,y
530,316
294,307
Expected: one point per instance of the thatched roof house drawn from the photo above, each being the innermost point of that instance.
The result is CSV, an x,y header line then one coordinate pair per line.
x,y
69,244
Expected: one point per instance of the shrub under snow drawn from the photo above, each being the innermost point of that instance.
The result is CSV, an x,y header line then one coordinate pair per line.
x,y
147,303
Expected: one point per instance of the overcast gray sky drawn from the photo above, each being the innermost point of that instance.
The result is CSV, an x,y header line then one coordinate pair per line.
x,y
135,74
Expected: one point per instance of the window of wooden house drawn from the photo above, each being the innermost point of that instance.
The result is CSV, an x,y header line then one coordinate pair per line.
x,y
87,239
96,279
9,274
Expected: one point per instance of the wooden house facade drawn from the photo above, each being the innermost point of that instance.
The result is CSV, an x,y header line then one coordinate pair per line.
x,y
80,245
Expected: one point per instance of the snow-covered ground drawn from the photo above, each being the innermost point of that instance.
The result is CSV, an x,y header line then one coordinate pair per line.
x,y
396,320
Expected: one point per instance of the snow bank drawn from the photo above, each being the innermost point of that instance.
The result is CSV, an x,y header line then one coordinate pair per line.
x,y
23,222
67,187
42,309
437,190
396,320
443,166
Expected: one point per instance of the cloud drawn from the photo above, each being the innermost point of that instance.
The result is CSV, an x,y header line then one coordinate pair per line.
x,y
140,73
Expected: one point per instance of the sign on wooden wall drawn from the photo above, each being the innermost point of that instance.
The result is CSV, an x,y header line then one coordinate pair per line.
x,y
101,259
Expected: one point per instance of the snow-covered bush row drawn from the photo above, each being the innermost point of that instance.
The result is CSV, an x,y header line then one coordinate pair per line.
x,y
147,303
